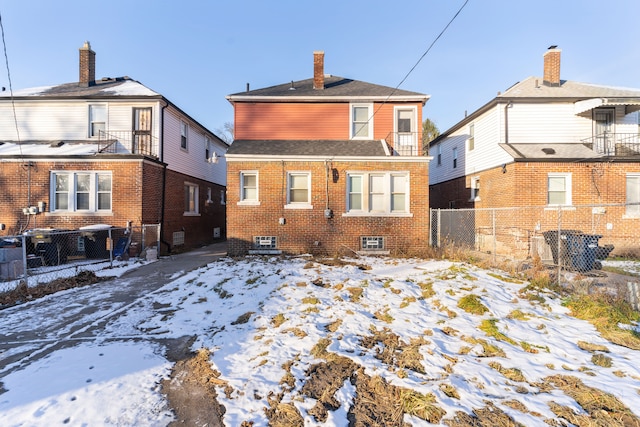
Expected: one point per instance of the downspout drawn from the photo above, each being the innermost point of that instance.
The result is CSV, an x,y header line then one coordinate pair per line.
x,y
164,181
506,121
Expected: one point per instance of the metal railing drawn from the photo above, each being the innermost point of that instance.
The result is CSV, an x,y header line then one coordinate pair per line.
x,y
128,142
615,144
404,143
42,255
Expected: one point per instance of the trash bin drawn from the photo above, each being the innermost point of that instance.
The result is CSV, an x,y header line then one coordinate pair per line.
x,y
95,241
578,250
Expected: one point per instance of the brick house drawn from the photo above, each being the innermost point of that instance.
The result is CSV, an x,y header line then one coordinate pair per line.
x,y
327,165
545,142
108,151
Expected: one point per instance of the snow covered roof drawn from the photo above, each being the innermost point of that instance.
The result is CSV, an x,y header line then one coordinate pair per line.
x,y
106,87
49,148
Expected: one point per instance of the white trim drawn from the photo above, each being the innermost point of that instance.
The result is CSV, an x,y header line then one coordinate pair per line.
x,y
367,159
242,199
407,98
368,123
298,205
568,186
365,194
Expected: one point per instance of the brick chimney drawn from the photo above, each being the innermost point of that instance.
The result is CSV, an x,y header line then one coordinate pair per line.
x,y
87,66
318,69
552,67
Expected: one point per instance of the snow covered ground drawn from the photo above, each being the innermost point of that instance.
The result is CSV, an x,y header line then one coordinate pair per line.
x,y
256,314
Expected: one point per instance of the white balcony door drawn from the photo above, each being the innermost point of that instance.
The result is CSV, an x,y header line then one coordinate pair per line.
x,y
406,135
603,119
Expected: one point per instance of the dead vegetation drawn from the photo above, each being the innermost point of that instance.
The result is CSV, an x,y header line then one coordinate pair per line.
x,y
22,293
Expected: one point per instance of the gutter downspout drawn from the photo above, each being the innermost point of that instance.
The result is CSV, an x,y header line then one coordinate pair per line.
x,y
506,121
164,181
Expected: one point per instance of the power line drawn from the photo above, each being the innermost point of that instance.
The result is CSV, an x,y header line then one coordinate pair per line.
x,y
421,58
13,105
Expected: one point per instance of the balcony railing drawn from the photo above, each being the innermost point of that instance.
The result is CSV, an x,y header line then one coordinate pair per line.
x,y
128,142
615,144
404,143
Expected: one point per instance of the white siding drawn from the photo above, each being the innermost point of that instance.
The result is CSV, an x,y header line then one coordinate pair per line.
x,y
191,161
547,122
38,121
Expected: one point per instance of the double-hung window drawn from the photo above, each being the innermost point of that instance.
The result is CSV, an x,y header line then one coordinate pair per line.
x,y
299,190
379,193
472,136
184,133
207,148
361,121
97,119
633,195
191,199
559,189
86,191
249,188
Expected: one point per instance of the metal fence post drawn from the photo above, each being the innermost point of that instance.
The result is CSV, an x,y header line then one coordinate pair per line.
x,y
493,231
559,243
24,260
158,241
439,225
110,247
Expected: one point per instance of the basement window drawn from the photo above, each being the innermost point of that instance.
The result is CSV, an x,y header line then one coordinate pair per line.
x,y
372,245
264,245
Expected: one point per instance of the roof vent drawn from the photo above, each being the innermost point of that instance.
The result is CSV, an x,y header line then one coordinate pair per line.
x,y
548,151
56,144
292,86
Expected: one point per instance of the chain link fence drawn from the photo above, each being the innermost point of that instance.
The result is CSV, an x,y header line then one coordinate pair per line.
x,y
573,238
43,255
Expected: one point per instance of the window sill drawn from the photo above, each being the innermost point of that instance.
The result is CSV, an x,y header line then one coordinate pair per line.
x,y
561,207
298,206
78,213
379,214
474,199
191,214
631,216
249,203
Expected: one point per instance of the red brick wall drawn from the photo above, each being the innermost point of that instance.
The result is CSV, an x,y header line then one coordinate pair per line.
x,y
305,227
198,229
136,196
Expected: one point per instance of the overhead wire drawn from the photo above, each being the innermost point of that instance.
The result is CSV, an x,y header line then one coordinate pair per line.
x,y
420,59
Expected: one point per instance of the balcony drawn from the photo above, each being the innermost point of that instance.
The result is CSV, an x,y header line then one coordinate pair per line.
x,y
404,143
128,142
615,144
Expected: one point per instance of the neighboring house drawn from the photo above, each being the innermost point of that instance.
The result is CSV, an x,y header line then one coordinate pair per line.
x,y
544,142
108,151
327,165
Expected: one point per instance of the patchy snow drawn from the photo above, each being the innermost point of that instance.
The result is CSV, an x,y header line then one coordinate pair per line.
x,y
230,306
130,88
46,150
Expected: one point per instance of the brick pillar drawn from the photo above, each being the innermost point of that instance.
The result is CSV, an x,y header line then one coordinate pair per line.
x,y
552,67
318,70
87,66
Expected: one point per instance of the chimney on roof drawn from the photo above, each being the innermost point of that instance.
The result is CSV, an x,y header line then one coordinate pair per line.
x,y
87,66
318,69
552,66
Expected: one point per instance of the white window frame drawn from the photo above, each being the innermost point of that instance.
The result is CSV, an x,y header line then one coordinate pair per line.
x,y
475,189
192,205
207,149
632,211
298,205
472,136
368,123
184,135
454,155
388,191
244,200
439,154
72,192
98,114
567,188
406,139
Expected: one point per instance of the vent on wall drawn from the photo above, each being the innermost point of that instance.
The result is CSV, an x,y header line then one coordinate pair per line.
x,y
178,238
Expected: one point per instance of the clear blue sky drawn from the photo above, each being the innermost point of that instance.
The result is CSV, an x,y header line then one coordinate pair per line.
x,y
197,52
